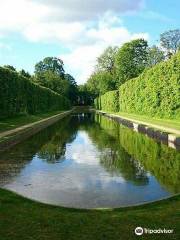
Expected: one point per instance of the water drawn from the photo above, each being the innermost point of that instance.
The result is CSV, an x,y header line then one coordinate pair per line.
x,y
90,161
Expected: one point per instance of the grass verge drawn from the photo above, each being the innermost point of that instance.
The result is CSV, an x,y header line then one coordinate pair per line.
x,y
21,218
21,120
169,123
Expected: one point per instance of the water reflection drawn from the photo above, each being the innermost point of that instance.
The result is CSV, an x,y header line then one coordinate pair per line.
x,y
90,161
157,158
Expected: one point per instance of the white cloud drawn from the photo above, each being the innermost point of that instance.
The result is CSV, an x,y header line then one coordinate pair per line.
x,y
71,10
82,58
84,28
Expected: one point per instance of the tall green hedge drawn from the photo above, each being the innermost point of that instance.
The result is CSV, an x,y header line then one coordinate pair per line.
x,y
108,102
20,95
156,92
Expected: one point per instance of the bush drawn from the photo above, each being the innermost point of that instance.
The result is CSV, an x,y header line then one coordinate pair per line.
x,y
20,95
156,92
108,102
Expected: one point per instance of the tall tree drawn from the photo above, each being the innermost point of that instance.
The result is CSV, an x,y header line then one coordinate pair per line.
x,y
53,81
52,64
155,55
100,82
131,60
106,60
84,96
25,74
10,67
50,73
170,41
73,89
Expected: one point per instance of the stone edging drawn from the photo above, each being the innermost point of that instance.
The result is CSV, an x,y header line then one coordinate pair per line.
x,y
12,137
167,138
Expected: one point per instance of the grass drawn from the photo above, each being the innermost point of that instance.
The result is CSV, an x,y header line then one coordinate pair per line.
x,y
20,120
21,218
169,123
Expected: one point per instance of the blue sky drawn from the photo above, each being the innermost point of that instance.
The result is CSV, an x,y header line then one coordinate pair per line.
x,y
78,30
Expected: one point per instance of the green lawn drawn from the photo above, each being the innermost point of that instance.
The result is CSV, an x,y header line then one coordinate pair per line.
x,y
21,218
170,123
14,122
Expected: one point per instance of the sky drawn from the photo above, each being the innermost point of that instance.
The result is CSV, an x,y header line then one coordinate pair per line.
x,y
77,31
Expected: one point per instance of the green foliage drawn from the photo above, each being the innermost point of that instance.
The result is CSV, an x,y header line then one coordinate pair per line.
x,y
20,95
170,40
72,93
101,82
155,56
24,74
104,77
52,81
10,67
84,95
52,64
106,60
131,60
108,102
50,73
156,92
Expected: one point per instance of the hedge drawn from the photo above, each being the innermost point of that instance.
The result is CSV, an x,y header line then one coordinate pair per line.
x,y
20,95
108,102
156,92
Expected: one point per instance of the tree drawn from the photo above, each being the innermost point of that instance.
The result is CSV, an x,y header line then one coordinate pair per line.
x,y
131,60
170,41
53,81
73,89
100,82
24,74
106,60
155,55
52,64
50,73
84,96
10,67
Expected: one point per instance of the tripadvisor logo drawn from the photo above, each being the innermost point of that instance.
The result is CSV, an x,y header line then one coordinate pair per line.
x,y
140,231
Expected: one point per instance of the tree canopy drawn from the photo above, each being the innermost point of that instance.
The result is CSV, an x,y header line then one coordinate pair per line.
x,y
155,55
50,73
170,41
106,61
52,64
10,67
131,60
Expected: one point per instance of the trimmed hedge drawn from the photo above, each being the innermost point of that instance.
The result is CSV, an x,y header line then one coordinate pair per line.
x,y
156,92
108,102
20,95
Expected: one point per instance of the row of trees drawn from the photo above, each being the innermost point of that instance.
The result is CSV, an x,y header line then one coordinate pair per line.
x,y
116,65
50,73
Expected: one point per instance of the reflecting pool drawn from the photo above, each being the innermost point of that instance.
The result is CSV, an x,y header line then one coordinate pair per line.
x,y
90,161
